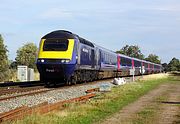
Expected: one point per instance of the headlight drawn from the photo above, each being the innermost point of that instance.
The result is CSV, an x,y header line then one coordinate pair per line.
x,y
62,61
38,60
67,60
76,57
42,60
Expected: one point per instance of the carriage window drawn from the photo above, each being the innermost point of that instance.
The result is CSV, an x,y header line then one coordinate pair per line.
x,y
126,61
137,63
55,45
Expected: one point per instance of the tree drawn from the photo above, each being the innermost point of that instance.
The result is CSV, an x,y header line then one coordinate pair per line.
x,y
153,58
4,67
26,55
13,64
165,66
179,67
174,65
132,51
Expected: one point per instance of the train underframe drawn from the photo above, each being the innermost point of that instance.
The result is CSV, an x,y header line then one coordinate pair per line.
x,y
80,76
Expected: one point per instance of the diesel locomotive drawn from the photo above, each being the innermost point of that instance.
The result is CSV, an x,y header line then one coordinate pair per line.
x,y
66,57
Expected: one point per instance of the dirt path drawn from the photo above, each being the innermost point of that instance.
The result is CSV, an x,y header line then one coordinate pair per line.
x,y
170,108
129,113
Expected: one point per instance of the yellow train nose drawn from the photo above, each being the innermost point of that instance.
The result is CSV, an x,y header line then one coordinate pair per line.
x,y
56,53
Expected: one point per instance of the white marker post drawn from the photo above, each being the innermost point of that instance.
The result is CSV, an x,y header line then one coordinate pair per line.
x,y
142,70
132,72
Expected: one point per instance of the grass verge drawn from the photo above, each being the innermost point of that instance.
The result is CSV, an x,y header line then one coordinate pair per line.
x,y
97,108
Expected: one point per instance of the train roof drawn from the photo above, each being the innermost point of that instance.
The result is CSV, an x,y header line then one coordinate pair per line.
x,y
124,56
136,59
60,34
105,49
151,62
146,61
70,35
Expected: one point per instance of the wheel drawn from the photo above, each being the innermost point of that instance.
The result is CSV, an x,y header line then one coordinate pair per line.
x,y
48,84
73,81
68,82
42,78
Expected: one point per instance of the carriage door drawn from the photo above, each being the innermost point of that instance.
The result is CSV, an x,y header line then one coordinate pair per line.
x,y
119,62
92,58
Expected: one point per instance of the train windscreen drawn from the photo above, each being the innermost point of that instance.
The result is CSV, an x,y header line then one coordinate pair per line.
x,y
55,45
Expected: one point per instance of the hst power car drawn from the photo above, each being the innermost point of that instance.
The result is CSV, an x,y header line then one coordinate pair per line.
x,y
66,57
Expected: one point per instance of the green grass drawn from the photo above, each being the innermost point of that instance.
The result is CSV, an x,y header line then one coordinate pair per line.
x,y
98,108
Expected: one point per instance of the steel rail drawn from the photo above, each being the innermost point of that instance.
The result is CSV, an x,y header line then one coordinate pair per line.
x,y
43,108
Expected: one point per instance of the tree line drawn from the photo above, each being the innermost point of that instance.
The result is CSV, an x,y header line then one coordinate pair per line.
x,y
26,55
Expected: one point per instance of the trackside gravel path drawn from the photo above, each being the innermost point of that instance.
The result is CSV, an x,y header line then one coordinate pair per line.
x,y
167,114
170,108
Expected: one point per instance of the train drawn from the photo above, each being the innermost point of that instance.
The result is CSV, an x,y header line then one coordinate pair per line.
x,y
66,57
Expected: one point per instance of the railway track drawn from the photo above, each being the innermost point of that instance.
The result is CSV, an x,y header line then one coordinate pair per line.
x,y
21,84
79,92
20,91
16,89
33,97
19,87
28,91
43,108
25,94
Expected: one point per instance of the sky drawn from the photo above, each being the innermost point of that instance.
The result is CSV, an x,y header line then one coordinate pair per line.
x,y
153,25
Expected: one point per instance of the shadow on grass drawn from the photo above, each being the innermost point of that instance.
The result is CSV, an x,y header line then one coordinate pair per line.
x,y
175,77
175,103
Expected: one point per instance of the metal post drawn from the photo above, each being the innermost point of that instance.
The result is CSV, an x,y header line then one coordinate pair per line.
x,y
133,76
142,71
132,73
